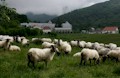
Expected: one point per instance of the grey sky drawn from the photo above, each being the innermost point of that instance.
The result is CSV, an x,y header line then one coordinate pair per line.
x,y
51,7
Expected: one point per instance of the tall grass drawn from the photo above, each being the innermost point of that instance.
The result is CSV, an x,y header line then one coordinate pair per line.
x,y
14,64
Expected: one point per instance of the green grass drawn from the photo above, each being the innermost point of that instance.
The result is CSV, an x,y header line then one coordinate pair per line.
x,y
14,64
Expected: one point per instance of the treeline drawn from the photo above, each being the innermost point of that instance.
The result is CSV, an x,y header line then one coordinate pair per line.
x,y
98,16
10,23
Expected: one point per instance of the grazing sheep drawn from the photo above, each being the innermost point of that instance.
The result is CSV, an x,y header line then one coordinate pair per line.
x,y
4,37
5,44
47,44
24,41
34,39
89,54
46,40
114,54
112,46
78,54
64,47
18,39
37,55
55,41
88,45
96,46
14,48
74,43
117,48
82,44
103,51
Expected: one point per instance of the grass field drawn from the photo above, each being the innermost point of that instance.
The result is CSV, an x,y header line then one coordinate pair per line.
x,y
14,64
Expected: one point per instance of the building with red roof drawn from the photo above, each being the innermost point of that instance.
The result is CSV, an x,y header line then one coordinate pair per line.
x,y
110,30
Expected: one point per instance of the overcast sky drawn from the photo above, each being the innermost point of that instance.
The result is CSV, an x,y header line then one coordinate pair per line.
x,y
51,7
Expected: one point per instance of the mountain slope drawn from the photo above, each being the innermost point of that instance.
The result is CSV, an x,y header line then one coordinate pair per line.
x,y
40,17
98,15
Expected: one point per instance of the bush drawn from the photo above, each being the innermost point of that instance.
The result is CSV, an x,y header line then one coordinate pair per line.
x,y
21,31
52,34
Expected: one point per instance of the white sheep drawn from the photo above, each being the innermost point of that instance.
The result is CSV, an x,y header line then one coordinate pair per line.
x,y
55,41
82,44
74,43
14,48
46,40
96,46
89,54
5,44
35,39
65,47
24,41
88,45
103,51
38,55
78,54
47,44
4,37
112,46
114,54
19,39
117,48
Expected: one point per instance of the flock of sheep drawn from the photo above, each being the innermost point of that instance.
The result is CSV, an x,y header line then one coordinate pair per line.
x,y
90,51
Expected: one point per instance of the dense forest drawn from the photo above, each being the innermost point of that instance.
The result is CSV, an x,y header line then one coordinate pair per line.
x,y
98,16
10,22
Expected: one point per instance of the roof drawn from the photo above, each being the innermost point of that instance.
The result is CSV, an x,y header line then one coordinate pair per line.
x,y
46,28
110,28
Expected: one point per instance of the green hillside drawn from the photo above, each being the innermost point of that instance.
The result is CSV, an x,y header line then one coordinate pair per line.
x,y
39,17
98,15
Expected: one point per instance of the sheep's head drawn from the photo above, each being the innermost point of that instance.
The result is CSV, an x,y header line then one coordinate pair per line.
x,y
7,40
53,49
104,58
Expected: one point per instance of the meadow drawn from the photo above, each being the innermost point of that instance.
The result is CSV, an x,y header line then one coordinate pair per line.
x,y
14,64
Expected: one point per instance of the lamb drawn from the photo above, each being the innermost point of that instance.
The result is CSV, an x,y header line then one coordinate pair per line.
x,y
89,54
38,55
14,48
5,44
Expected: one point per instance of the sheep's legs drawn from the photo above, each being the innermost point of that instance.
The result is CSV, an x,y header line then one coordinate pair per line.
x,y
33,63
66,53
84,62
81,60
28,64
